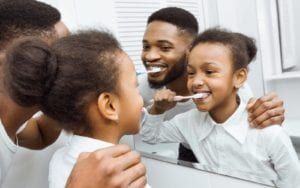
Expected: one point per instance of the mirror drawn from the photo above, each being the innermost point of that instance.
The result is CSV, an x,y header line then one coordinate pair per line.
x,y
230,16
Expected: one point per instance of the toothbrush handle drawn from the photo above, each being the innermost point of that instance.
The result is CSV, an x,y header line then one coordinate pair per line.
x,y
176,98
179,98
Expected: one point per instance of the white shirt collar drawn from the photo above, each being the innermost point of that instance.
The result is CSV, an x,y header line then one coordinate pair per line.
x,y
81,144
233,125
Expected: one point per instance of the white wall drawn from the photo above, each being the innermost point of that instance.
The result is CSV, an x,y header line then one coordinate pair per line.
x,y
91,14
286,85
241,16
296,6
259,19
289,89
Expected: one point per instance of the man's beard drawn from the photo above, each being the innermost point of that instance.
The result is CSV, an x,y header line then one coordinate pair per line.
x,y
177,71
2,59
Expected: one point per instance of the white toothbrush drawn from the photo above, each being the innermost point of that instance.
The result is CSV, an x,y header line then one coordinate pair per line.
x,y
196,96
180,98
154,70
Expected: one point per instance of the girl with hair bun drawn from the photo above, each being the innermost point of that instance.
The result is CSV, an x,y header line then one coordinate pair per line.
x,y
86,82
218,131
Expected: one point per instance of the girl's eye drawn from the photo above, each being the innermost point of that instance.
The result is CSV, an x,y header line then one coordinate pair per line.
x,y
190,73
209,72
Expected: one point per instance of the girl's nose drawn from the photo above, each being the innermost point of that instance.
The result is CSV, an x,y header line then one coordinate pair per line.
x,y
198,81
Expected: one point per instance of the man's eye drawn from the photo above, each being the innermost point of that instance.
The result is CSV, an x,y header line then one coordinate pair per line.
x,y
165,48
146,47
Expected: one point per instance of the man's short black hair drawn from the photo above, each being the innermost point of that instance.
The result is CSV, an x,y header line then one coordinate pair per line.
x,y
177,16
25,18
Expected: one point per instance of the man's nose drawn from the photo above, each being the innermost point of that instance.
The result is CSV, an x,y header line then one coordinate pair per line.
x,y
151,55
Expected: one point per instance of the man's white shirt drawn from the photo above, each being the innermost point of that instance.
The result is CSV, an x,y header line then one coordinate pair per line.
x,y
7,151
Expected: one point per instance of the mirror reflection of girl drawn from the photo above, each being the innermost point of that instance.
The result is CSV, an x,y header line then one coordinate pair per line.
x,y
218,130
86,82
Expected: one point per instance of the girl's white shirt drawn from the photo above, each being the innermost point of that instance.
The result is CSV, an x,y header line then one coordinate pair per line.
x,y
65,158
231,146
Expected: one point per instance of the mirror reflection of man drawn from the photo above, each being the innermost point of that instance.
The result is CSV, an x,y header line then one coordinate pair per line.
x,y
168,34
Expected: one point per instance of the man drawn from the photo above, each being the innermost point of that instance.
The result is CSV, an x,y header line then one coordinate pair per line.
x,y
168,34
21,19
116,166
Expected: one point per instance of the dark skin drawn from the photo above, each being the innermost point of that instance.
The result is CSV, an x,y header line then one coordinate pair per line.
x,y
112,163
47,128
106,122
117,166
264,111
37,134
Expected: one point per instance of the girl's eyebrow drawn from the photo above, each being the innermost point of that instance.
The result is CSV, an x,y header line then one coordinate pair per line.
x,y
212,64
204,64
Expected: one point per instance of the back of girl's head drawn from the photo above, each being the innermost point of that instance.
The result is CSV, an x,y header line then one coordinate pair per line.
x,y
65,78
243,49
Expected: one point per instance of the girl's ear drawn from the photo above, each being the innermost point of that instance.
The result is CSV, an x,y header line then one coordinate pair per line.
x,y
239,77
108,106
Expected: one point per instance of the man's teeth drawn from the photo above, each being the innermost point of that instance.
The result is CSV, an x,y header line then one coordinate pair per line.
x,y
154,70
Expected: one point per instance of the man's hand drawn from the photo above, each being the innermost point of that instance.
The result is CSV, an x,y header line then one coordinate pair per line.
x,y
163,101
265,111
113,167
